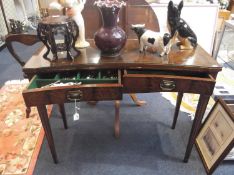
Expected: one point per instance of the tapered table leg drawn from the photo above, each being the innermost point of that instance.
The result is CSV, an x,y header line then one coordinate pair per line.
x,y
117,120
63,114
201,108
46,125
137,101
177,109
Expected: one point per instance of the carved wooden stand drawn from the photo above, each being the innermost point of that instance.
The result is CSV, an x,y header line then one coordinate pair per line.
x,y
51,26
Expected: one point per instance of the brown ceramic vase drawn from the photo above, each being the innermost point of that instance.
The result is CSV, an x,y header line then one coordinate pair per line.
x,y
110,38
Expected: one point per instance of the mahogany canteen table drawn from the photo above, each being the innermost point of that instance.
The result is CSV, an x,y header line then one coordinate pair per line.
x,y
182,71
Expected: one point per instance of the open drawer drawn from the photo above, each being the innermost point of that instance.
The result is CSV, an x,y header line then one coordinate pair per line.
x,y
142,81
68,86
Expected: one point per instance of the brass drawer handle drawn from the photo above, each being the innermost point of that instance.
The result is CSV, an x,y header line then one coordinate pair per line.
x,y
74,95
167,85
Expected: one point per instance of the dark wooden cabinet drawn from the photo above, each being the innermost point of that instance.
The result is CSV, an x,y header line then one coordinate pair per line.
x,y
231,6
135,12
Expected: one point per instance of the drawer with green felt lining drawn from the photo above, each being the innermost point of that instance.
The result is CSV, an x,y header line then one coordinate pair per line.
x,y
93,85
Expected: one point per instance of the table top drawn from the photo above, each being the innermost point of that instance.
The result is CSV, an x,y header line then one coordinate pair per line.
x,y
197,60
55,20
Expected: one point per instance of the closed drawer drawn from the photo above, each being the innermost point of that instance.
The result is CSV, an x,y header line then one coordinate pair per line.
x,y
66,87
162,81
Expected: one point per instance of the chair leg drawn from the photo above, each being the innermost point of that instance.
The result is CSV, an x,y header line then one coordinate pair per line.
x,y
63,114
177,109
28,111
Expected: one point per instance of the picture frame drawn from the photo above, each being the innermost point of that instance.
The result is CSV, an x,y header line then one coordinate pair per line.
x,y
216,136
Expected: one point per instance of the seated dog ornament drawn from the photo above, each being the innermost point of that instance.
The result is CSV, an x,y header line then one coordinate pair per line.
x,y
149,38
178,27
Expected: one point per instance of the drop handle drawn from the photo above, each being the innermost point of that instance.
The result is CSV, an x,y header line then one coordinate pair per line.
x,y
74,95
167,85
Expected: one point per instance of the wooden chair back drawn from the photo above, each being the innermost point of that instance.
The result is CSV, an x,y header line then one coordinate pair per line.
x,y
26,39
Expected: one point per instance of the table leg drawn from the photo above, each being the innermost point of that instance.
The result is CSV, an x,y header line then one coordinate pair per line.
x,y
201,107
117,120
136,101
46,125
63,114
177,108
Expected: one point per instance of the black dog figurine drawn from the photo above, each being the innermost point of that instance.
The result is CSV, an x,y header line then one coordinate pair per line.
x,y
179,28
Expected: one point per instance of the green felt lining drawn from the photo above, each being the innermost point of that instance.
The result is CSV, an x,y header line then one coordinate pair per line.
x,y
46,79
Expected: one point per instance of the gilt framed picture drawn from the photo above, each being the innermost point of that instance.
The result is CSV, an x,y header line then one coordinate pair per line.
x,y
216,137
